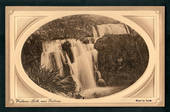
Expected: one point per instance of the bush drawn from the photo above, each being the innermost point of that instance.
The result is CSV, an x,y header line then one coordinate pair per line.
x,y
122,59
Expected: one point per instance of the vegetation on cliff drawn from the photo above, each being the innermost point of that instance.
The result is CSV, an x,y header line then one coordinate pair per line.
x,y
121,60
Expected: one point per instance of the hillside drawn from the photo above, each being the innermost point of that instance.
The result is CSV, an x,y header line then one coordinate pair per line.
x,y
122,59
76,26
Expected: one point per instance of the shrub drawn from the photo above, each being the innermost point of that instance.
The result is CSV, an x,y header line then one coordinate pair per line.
x,y
122,59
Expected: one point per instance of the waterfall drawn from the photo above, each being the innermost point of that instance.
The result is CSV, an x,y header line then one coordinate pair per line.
x,y
81,64
52,48
82,60
104,29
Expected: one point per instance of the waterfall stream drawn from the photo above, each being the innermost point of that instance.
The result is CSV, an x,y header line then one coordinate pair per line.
x,y
82,60
104,29
81,66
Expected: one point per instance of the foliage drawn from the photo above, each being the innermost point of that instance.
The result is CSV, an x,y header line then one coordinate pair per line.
x,y
122,59
75,26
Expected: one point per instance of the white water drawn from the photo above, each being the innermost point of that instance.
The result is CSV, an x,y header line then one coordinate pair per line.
x,y
55,48
82,68
104,29
85,60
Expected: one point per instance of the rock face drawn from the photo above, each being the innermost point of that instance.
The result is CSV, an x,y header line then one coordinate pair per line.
x,y
67,48
121,58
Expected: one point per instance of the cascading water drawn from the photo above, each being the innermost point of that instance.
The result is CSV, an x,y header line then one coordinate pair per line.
x,y
104,29
82,63
81,68
49,48
81,59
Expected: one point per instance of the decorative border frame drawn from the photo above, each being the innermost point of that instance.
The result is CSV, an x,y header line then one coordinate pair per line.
x,y
38,12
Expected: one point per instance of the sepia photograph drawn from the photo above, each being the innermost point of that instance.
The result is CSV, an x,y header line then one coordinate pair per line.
x,y
81,56
84,56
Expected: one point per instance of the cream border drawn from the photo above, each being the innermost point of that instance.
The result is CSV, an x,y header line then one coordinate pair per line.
x,y
131,11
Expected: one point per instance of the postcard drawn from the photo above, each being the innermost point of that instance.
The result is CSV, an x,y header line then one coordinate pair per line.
x,y
85,56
